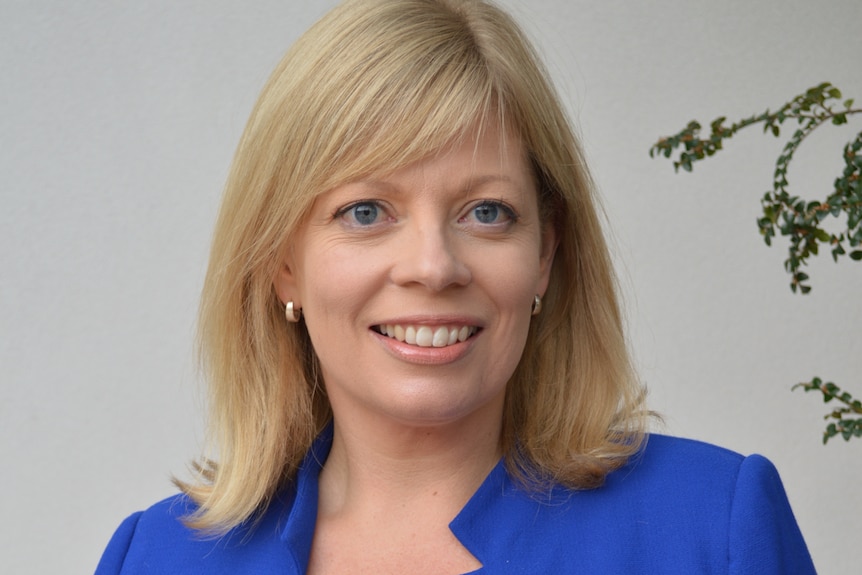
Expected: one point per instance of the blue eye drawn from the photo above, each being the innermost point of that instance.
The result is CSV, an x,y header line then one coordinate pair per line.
x,y
486,213
365,214
361,213
492,213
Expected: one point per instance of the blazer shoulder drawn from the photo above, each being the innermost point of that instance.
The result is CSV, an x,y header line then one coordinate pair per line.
x,y
158,540
689,460
690,450
168,513
115,553
155,526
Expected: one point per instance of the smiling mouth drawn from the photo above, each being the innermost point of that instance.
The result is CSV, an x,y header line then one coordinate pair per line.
x,y
427,336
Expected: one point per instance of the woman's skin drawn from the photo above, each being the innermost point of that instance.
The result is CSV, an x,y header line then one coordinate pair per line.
x,y
416,287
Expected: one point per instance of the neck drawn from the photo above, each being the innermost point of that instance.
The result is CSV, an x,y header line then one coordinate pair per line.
x,y
379,466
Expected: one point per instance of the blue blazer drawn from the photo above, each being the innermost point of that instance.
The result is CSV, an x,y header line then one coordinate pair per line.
x,y
678,507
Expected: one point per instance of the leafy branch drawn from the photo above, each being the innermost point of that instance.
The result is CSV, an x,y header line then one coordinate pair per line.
x,y
791,216
844,426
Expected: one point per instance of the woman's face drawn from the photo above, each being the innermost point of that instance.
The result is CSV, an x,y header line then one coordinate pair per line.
x,y
416,286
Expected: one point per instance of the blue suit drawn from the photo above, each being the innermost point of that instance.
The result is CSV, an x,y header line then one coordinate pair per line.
x,y
679,506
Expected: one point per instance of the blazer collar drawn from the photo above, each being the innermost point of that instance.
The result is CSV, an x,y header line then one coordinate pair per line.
x,y
299,529
477,526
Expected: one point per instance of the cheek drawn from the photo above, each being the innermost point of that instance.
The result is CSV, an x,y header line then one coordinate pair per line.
x,y
511,281
337,276
335,287
513,274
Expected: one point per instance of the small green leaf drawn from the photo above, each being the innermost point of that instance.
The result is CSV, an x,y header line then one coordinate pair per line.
x,y
856,255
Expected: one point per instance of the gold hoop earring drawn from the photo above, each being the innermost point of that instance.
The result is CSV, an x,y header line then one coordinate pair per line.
x,y
537,305
292,314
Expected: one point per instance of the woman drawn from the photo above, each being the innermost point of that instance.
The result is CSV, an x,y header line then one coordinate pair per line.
x,y
410,329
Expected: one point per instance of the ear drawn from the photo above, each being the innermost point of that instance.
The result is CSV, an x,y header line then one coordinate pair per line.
x,y
285,283
546,257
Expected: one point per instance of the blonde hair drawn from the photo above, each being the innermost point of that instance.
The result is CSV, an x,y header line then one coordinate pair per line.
x,y
374,86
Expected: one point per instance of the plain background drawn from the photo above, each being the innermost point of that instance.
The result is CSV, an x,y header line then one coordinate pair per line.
x,y
118,121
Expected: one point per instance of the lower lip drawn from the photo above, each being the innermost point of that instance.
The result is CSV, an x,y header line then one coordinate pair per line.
x,y
425,355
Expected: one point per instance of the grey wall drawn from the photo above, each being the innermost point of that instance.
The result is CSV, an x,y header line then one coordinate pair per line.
x,y
117,124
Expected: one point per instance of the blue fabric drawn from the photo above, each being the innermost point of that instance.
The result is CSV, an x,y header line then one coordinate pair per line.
x,y
679,507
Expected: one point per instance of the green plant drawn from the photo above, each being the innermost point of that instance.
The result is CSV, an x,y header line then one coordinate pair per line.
x,y
800,220
844,425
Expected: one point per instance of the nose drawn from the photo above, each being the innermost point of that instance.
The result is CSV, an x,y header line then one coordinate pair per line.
x,y
429,255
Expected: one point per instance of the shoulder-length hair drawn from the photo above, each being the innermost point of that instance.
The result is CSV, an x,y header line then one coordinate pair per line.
x,y
374,86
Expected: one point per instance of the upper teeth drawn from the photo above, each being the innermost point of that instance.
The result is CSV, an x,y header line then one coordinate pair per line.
x,y
425,336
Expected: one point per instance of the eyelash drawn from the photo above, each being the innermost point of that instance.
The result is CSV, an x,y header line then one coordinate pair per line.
x,y
507,210
340,213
